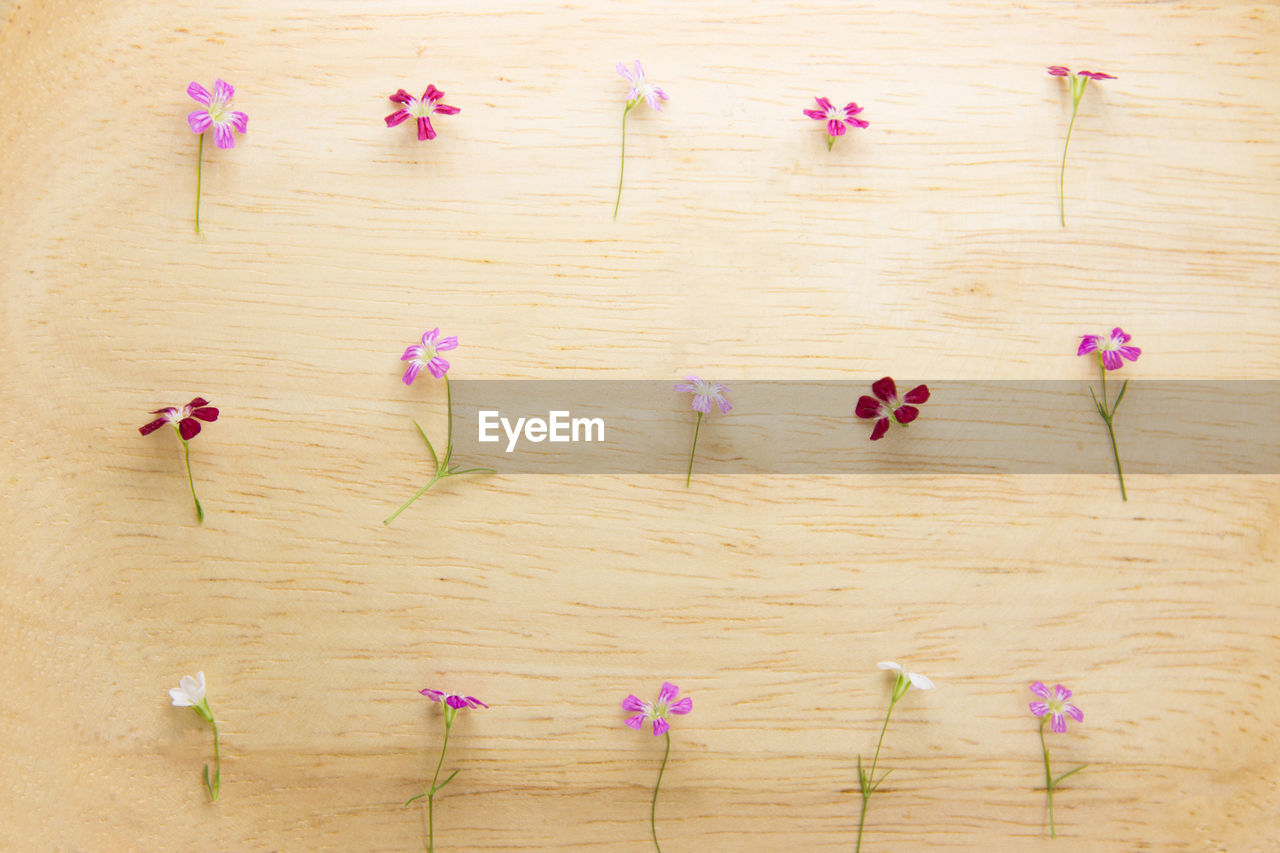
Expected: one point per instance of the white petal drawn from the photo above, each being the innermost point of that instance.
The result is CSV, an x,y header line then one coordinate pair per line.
x,y
919,681
888,664
180,697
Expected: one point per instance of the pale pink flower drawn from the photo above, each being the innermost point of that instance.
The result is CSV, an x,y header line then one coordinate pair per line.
x,y
426,354
1112,350
1056,704
420,109
641,88
217,113
657,711
705,393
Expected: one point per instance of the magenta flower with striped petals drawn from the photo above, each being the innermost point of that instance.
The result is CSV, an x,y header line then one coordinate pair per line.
x,y
838,119
1053,708
421,109
452,703
427,354
455,701
186,423
1111,350
657,711
886,406
216,114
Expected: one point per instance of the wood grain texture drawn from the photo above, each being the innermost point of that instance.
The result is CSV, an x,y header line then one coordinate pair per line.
x,y
926,246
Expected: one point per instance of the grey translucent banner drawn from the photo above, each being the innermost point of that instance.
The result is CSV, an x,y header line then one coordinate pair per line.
x,y
809,427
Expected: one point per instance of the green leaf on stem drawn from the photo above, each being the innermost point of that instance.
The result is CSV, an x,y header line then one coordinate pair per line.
x,y
1068,773
446,781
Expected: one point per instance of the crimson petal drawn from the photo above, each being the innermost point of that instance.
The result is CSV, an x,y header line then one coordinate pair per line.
x,y
153,426
188,428
885,390
868,407
918,394
205,413
906,414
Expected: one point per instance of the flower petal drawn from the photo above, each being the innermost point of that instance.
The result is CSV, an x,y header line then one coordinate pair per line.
x,y
1040,690
425,130
636,722
921,682
199,121
223,91
660,726
917,395
473,702
448,343
205,413
888,664
625,72
445,109
881,427
433,695
1088,344
396,117
412,351
402,97
701,403
868,407
432,94
1111,359
820,115
153,426
1039,708
188,428
1059,70
1075,713
906,414
438,367
411,372
633,703
668,692
454,701
885,390
222,136
199,93
824,104
683,706
835,127
1058,723
725,406
1130,353
1061,693
240,121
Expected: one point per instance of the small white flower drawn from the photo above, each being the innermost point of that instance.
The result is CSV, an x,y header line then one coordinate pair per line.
x,y
190,691
917,680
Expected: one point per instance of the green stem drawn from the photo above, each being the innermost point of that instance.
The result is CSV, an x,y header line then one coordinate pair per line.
x,y
693,450
1062,175
653,805
406,504
1111,431
199,179
448,396
186,450
442,465
868,783
623,166
1048,778
217,761
431,793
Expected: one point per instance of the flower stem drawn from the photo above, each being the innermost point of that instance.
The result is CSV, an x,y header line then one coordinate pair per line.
x,y
442,464
431,793
1108,414
406,504
693,450
199,178
868,783
1048,778
186,450
653,805
1062,174
622,167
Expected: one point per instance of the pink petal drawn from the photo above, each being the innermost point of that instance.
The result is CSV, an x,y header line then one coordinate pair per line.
x,y
429,338
222,136
1059,70
455,702
632,703
402,97
411,373
445,109
434,695
701,403
868,407
167,410
635,722
684,706
1130,353
1061,693
1040,690
1096,75
906,414
1058,723
725,406
473,702
432,94
881,427
835,127
1111,360
824,104
240,121
816,114
1039,708
411,352
668,692
918,394
660,727
199,93
153,426
397,117
196,403
448,343
687,387
188,428
857,122
639,70
223,91
425,130
1119,337
1075,713
206,413
851,109
438,367
885,390
1088,344
199,121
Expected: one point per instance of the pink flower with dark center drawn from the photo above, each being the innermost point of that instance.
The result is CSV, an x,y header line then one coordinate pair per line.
x,y
1055,704
453,700
886,406
426,354
838,119
705,393
217,113
657,711
420,109
641,88
1113,350
186,421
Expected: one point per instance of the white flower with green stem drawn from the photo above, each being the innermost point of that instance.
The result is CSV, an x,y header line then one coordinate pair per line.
x,y
190,693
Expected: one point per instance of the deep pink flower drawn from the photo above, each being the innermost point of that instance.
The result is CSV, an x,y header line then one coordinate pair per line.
x,y
184,421
1056,704
657,711
705,393
426,354
420,108
886,405
641,88
217,113
1059,71
837,119
1063,71
1111,350
453,700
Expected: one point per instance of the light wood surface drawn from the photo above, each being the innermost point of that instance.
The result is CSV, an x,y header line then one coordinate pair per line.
x,y
926,246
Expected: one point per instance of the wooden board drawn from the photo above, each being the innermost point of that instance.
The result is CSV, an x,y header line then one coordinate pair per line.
x,y
926,247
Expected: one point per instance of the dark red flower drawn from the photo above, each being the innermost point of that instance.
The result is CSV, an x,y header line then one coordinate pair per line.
x,y
184,421
886,406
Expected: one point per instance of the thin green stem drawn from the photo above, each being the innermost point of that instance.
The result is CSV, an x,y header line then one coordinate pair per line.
x,y
199,179
868,783
186,451
693,450
406,504
653,805
216,788
431,793
1048,777
448,396
1062,175
623,166
1110,414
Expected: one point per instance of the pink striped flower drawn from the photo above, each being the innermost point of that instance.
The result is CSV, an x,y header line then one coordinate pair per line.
x,y
705,393
886,406
641,88
657,711
427,354
186,421
1113,350
420,109
1056,705
217,113
452,700
1077,82
838,119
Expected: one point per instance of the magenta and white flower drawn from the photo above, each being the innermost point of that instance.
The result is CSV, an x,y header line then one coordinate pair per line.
x,y
1110,349
186,421
658,712
453,700
1056,705
705,393
217,113
838,119
420,109
427,354
886,405
641,88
